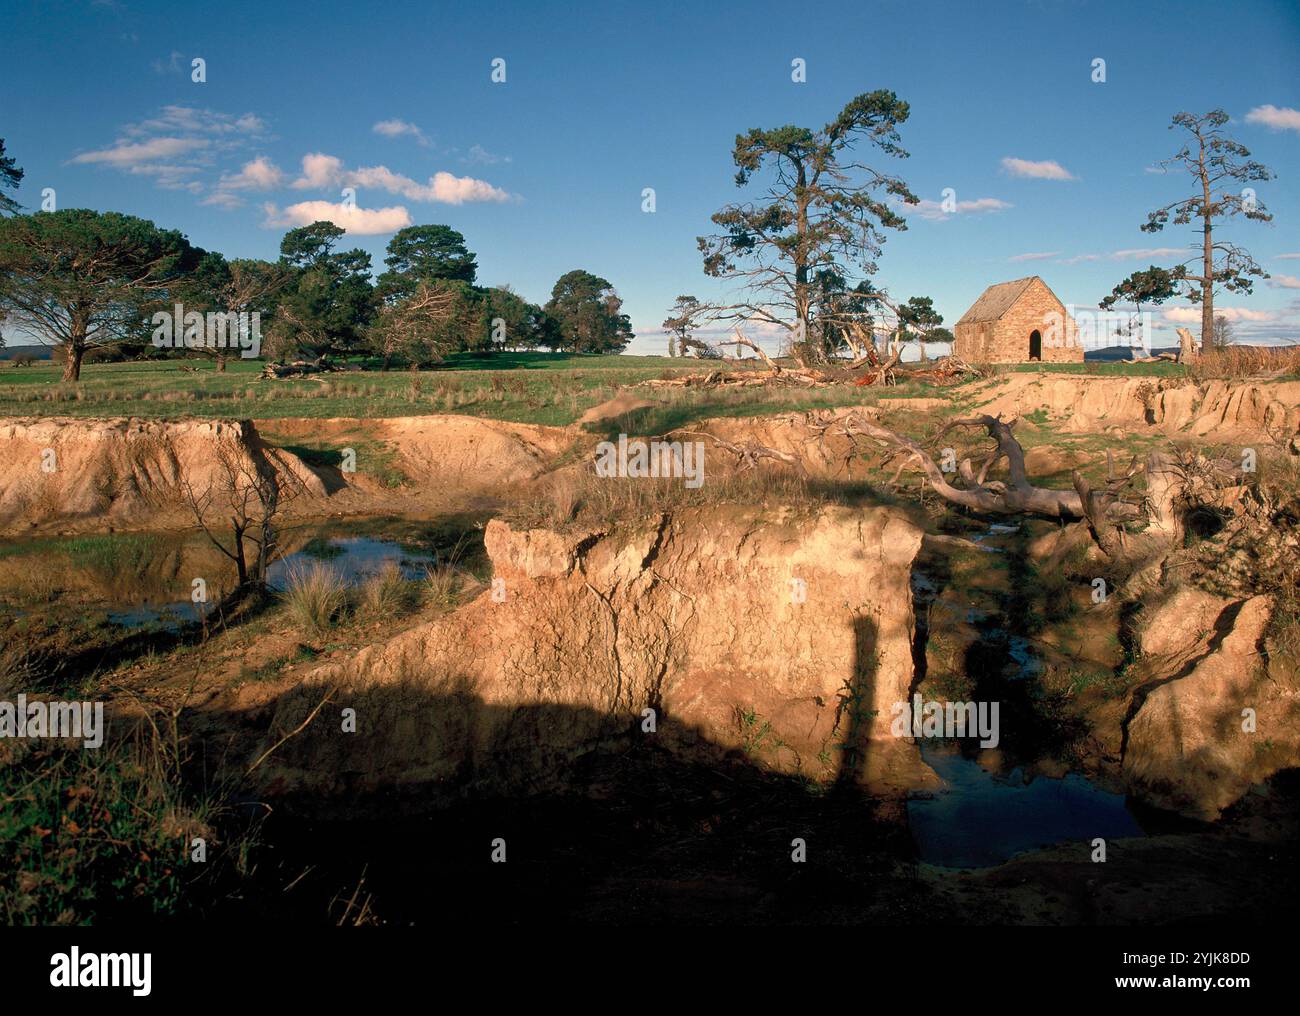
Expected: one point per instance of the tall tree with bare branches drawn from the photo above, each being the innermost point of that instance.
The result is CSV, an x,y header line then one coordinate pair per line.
x,y
823,215
1220,168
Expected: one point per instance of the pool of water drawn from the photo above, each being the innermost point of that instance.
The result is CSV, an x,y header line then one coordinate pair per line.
x,y
985,814
147,584
982,819
355,558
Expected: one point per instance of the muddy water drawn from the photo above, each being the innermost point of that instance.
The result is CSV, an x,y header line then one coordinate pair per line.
x,y
996,802
143,580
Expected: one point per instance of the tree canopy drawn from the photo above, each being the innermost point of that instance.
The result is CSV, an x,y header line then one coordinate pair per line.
x,y
328,302
1218,166
819,224
10,177
588,313
78,278
425,254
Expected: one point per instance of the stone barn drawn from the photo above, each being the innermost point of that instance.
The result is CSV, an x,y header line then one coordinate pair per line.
x,y
1017,322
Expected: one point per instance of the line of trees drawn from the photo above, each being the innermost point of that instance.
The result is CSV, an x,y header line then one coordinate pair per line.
x,y
81,280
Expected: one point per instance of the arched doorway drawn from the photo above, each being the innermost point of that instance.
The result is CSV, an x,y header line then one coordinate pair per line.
x,y
1035,345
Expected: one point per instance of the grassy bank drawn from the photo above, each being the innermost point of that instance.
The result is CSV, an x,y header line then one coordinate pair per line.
x,y
544,388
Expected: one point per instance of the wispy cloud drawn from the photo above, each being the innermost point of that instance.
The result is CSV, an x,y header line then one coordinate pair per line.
x,y
176,146
1048,169
171,65
1043,256
1192,315
480,156
1278,118
935,211
1286,257
194,120
131,156
1284,282
320,171
223,199
400,128
1145,252
1128,254
359,221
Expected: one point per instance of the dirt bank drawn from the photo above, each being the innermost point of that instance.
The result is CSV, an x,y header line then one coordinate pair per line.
x,y
122,472
71,475
781,635
1237,410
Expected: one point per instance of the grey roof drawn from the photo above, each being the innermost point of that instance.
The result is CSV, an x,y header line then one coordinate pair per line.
x,y
997,300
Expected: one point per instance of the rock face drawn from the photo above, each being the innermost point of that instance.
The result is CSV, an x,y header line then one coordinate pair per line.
x,y
785,635
128,469
1186,747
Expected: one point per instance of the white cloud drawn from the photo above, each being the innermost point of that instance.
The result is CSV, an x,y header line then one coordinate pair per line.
x,y
1035,257
1129,254
126,155
176,146
1287,257
192,120
934,211
1284,282
359,221
1279,119
1045,170
1192,315
320,171
456,190
400,128
1145,252
223,199
260,174
480,156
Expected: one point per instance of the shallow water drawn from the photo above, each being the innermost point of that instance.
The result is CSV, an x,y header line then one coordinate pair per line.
x,y
982,819
986,814
150,587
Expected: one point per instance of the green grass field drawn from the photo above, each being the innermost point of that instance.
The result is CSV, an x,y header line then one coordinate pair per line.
x,y
545,388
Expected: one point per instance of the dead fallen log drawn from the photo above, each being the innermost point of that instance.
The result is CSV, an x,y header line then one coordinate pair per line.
x,y
996,497
297,369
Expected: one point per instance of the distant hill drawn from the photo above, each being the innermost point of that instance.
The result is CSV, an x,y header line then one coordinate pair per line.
x,y
39,352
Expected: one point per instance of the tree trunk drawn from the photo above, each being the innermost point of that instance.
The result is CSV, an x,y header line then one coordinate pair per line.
x,y
1186,346
72,362
241,564
1207,256
221,363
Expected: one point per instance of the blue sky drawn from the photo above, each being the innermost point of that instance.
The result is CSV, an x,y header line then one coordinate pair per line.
x,y
544,173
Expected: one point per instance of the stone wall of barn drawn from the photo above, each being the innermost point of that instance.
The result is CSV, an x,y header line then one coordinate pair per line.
x,y
1007,339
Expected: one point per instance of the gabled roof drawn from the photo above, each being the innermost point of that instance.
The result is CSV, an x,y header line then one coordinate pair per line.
x,y
997,300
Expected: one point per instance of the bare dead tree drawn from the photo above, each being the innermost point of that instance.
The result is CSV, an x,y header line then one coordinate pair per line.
x,y
1177,480
249,494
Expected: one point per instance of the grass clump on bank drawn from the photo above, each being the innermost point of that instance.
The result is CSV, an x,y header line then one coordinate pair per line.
x,y
315,595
